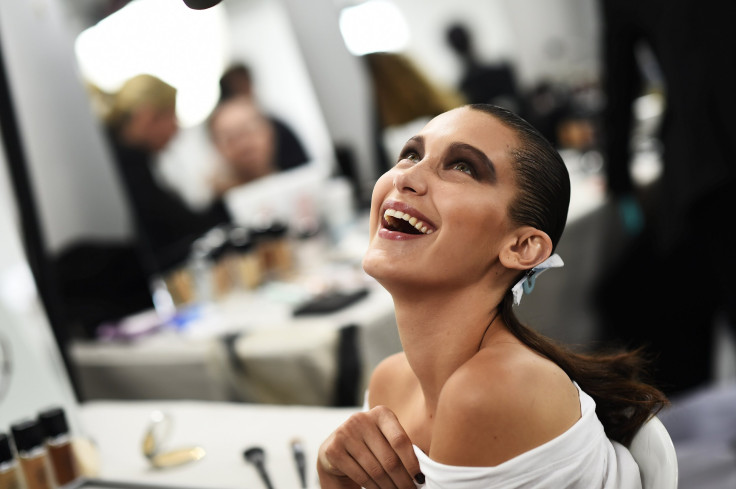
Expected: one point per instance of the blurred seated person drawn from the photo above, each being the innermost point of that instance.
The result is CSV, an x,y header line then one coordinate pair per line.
x,y
237,81
250,143
141,121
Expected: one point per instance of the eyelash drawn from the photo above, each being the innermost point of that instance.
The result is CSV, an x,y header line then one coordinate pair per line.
x,y
409,154
412,155
470,169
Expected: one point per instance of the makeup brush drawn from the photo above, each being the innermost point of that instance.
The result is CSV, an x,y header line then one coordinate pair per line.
x,y
256,456
298,450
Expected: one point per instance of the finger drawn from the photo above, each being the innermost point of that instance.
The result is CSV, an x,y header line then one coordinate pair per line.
x,y
371,447
368,473
384,467
400,443
385,447
335,461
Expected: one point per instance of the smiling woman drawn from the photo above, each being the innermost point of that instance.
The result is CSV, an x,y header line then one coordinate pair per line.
x,y
476,203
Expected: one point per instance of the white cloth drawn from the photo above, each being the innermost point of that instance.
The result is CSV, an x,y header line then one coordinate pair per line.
x,y
581,458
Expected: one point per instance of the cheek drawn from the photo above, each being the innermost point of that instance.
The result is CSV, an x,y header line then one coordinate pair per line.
x,y
227,151
475,229
266,149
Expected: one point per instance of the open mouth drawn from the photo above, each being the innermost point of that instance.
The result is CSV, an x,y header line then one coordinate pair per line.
x,y
402,222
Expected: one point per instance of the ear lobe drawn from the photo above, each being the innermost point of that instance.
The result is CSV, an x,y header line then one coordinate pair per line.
x,y
530,248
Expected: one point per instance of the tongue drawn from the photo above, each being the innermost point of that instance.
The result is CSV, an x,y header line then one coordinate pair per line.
x,y
401,226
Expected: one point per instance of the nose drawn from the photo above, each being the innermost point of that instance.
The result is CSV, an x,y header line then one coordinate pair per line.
x,y
412,179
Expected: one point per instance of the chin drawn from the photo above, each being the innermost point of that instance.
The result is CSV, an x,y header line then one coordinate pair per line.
x,y
381,268
392,278
370,265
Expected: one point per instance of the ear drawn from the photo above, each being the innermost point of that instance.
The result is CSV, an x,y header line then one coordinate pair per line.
x,y
528,248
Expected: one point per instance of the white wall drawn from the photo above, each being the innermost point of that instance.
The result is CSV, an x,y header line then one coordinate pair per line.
x,y
35,377
572,25
517,30
340,81
73,180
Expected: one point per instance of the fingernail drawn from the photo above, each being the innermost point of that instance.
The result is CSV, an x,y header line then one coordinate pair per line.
x,y
419,478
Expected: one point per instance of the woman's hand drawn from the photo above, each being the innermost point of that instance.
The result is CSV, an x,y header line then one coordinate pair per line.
x,y
369,450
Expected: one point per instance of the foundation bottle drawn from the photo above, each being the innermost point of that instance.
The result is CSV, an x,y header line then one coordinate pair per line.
x,y
32,455
180,284
8,465
202,264
221,277
244,261
274,250
59,445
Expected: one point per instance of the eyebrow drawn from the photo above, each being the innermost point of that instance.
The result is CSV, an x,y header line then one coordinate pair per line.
x,y
418,140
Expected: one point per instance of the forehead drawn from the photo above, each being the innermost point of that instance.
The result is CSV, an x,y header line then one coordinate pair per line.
x,y
235,113
473,127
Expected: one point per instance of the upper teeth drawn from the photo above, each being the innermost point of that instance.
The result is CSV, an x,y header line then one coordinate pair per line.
x,y
420,225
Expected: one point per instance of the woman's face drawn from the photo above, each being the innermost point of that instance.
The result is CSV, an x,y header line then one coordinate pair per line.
x,y
151,128
439,217
164,126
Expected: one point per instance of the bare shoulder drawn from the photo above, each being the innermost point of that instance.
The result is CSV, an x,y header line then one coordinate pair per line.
x,y
390,380
504,401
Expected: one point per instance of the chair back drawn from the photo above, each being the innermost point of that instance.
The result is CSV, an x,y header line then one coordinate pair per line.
x,y
654,452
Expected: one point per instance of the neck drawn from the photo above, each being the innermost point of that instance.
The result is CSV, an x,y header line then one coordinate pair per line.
x,y
441,331
254,172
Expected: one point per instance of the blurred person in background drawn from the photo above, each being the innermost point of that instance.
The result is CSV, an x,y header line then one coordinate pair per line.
x,y
237,81
492,83
101,281
250,143
674,273
140,119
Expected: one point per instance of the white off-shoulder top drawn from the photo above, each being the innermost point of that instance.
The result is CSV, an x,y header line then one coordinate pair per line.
x,y
580,458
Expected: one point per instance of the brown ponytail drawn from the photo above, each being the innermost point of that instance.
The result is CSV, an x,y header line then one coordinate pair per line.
x,y
624,402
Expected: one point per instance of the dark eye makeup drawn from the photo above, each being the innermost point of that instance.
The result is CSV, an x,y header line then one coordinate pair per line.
x,y
459,157
464,167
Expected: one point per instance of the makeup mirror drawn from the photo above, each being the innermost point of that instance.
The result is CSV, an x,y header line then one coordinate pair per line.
x,y
66,187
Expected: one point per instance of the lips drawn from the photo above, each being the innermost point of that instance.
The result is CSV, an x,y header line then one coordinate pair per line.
x,y
399,219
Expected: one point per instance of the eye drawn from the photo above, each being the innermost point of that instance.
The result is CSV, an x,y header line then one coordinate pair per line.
x,y
410,155
463,167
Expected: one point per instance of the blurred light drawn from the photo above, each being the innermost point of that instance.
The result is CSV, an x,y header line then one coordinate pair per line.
x,y
373,26
18,288
186,48
648,106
